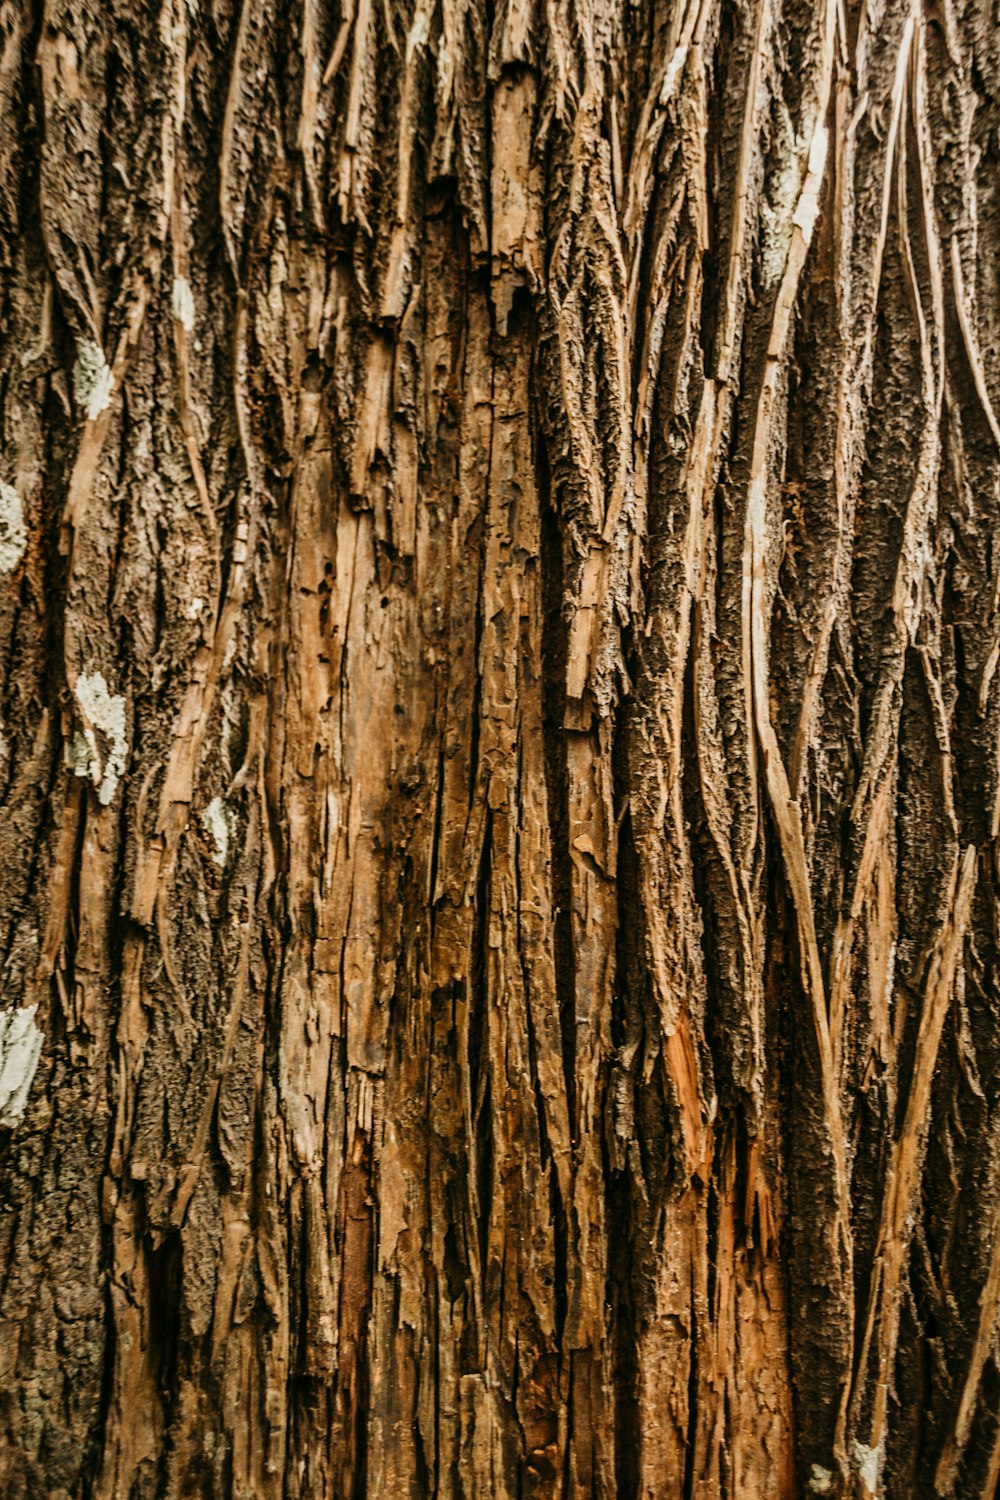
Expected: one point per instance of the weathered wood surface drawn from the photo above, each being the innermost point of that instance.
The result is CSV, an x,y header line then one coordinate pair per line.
x,y
499,749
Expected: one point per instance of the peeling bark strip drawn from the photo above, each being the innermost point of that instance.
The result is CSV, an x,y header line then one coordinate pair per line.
x,y
499,749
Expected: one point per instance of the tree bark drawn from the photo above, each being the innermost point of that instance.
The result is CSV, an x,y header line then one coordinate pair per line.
x,y
500,759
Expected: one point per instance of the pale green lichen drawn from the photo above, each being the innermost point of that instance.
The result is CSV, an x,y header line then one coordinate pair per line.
x,y
76,755
13,532
182,304
20,1048
777,207
107,713
217,821
92,378
820,1480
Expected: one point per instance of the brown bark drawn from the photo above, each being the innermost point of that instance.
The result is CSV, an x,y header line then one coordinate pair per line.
x,y
499,749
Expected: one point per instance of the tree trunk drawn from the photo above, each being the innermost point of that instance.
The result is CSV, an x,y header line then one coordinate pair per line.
x,y
500,760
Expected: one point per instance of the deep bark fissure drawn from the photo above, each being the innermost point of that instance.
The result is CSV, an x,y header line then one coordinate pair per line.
x,y
557,771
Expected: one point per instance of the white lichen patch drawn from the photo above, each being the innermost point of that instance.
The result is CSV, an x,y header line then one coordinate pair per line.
x,y
420,31
808,206
92,379
20,1048
674,70
182,303
13,532
445,65
217,821
868,1461
105,712
820,1480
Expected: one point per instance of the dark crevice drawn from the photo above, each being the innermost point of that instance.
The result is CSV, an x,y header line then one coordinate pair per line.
x,y
478,1059
554,649
693,1408
622,1262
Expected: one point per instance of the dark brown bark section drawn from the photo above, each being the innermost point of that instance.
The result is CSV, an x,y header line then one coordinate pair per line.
x,y
499,729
